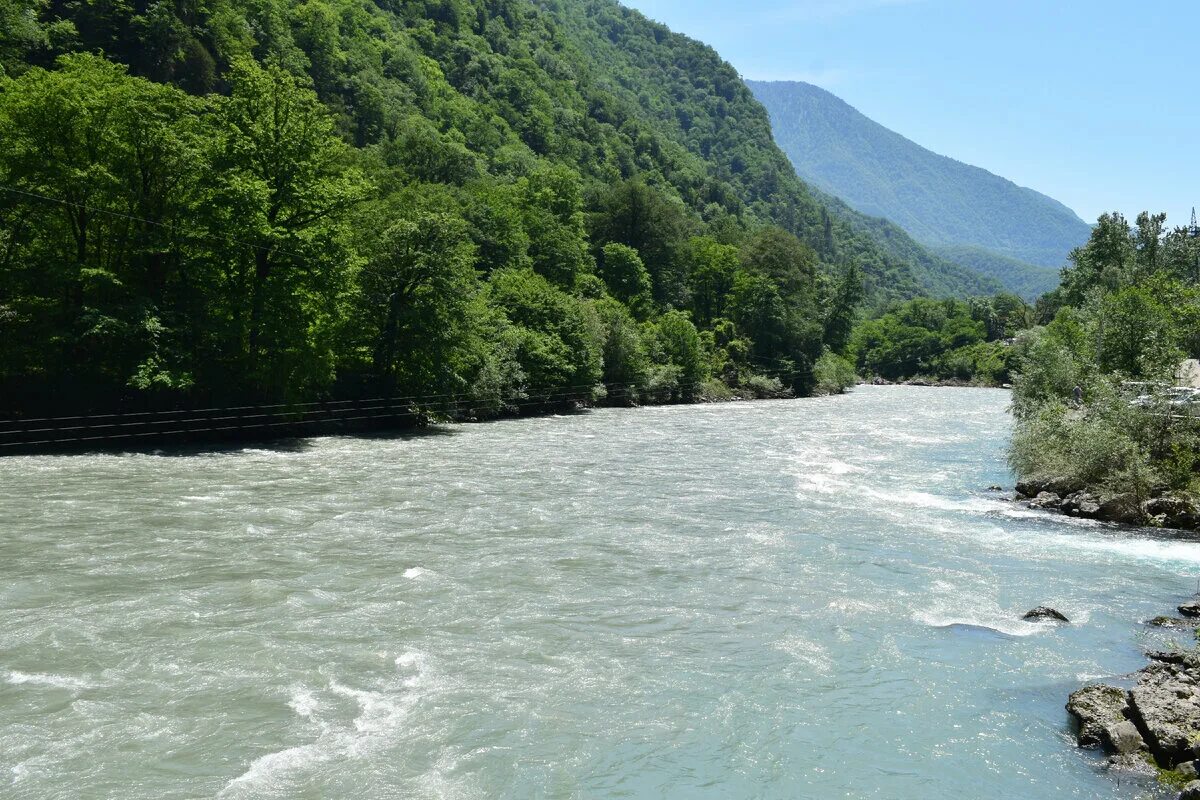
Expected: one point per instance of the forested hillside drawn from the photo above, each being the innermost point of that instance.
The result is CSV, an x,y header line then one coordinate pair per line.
x,y
939,276
1026,280
939,201
488,200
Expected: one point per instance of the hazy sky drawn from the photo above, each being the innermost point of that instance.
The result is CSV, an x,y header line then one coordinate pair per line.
x,y
1096,104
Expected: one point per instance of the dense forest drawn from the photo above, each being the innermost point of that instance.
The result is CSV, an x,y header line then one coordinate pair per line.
x,y
486,200
965,214
947,340
1124,317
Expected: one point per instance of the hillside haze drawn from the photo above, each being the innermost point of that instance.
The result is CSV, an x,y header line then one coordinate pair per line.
x,y
964,213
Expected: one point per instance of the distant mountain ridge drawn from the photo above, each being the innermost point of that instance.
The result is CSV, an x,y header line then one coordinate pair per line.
x,y
943,203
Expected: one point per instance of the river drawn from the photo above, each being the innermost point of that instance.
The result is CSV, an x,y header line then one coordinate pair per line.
x,y
814,598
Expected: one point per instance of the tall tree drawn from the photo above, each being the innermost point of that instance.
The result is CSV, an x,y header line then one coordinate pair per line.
x,y
417,286
283,188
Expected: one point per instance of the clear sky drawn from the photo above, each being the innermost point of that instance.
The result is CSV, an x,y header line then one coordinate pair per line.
x,y
1094,103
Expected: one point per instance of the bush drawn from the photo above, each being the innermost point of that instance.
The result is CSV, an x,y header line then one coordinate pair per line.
x,y
833,374
662,384
715,390
763,387
1100,446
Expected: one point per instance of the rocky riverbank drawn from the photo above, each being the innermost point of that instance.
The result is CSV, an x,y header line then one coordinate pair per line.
x,y
940,382
1165,510
1155,724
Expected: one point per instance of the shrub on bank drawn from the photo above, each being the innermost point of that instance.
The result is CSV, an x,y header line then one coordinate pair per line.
x,y
833,374
763,387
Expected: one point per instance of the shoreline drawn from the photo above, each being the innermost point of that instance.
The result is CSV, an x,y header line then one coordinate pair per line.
x,y
1152,728
287,424
1165,509
229,428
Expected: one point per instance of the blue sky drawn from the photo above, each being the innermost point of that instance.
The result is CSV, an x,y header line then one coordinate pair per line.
x,y
1096,104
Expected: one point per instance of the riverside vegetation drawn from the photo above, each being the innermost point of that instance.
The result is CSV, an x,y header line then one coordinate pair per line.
x,y
941,341
1124,316
487,200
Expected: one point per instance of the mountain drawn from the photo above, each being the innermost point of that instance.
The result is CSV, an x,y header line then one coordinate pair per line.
x,y
1026,280
697,100
939,201
488,200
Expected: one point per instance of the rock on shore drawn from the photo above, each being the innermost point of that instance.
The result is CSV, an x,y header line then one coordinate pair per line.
x,y
1058,494
1156,722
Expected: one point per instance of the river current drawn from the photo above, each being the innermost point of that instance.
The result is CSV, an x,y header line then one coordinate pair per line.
x,y
816,598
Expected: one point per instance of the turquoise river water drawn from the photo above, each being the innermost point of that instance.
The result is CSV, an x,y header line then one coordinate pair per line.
x,y
792,599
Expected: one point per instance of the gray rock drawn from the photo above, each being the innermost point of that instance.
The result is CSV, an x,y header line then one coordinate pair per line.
x,y
1044,613
1081,504
1095,708
1045,500
1190,609
1032,487
1165,707
1172,622
1121,509
1122,738
1191,791
1188,770
1170,511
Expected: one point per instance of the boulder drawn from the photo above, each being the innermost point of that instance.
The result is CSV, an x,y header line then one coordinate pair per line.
x,y
1170,511
1165,656
1172,622
995,487
1191,791
1121,509
1095,708
1081,504
1188,770
1122,738
1190,609
1032,487
1046,500
1165,706
1044,613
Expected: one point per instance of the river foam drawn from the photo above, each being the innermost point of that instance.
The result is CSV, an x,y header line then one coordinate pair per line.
x,y
808,598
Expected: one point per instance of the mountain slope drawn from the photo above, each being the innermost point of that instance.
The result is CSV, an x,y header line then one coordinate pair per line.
x,y
942,275
584,83
479,199
672,78
938,200
1026,280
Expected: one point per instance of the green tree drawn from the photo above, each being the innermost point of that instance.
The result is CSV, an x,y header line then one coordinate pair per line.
x,y
678,344
639,216
780,256
284,188
558,339
552,206
840,311
106,169
626,362
713,266
626,277
417,287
